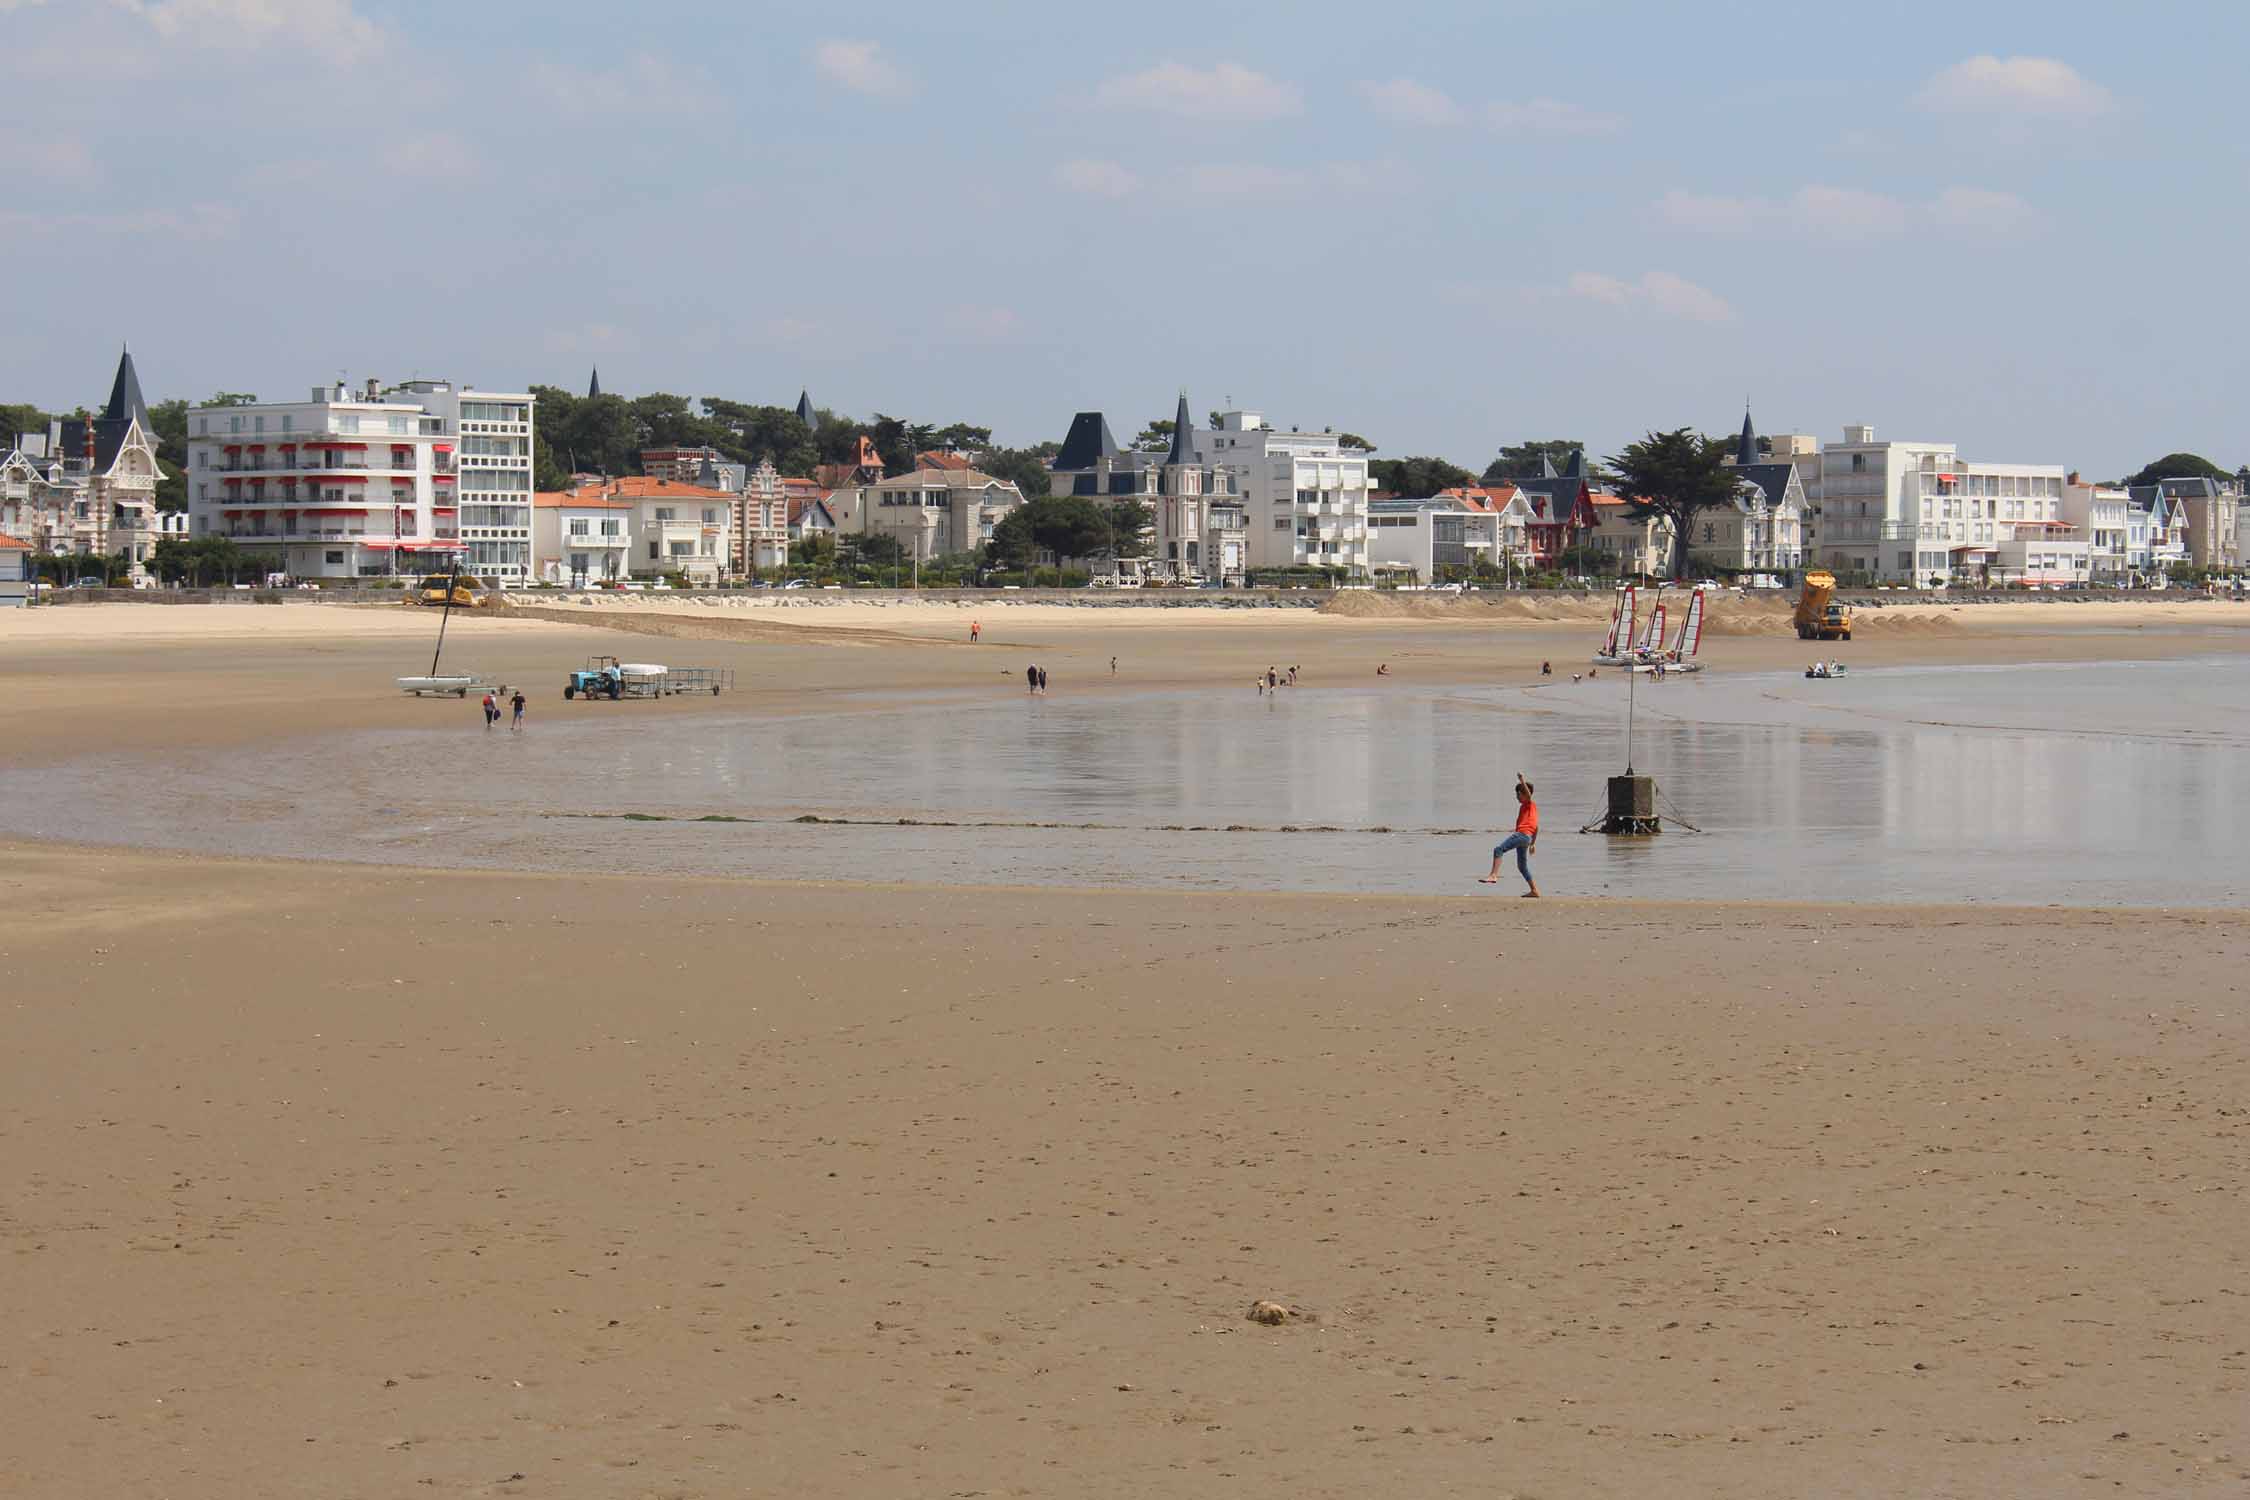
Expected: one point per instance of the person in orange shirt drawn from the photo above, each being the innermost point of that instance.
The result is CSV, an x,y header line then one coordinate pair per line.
x,y
1524,841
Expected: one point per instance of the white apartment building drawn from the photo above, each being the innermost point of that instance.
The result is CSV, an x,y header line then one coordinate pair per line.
x,y
1478,528
1304,495
1917,513
2102,515
372,482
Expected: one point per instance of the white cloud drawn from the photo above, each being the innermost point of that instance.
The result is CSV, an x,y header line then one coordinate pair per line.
x,y
200,221
1844,213
56,158
437,153
858,66
1097,179
1550,117
587,338
1977,208
331,29
1660,292
2015,86
1257,180
640,87
1411,103
977,324
1224,91
1847,213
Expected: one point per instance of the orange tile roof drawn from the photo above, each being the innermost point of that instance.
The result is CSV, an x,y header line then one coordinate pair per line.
x,y
627,491
9,541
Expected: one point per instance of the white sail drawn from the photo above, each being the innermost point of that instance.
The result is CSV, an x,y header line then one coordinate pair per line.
x,y
1691,629
1654,640
1620,623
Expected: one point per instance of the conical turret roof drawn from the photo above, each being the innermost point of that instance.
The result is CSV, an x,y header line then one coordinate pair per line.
x,y
805,412
1746,451
1183,437
125,395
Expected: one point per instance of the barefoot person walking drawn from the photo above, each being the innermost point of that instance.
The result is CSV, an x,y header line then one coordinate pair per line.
x,y
1523,841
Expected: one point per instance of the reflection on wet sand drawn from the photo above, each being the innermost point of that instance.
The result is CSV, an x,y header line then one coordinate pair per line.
x,y
2084,784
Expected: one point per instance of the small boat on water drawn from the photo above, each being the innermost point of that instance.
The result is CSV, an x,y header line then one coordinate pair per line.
x,y
1826,669
1649,653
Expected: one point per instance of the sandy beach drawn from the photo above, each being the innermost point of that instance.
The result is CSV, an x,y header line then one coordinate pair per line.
x,y
339,1180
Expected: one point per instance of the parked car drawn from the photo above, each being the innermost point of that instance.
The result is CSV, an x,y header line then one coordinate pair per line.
x,y
89,582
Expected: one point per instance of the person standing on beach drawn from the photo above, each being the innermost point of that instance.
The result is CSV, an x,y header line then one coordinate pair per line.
x,y
517,704
1522,842
1031,679
974,632
491,711
1042,682
1113,666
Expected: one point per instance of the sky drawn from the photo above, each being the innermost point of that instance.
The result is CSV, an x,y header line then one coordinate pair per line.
x,y
2014,226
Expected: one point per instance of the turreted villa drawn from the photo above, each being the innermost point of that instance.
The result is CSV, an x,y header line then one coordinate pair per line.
x,y
1195,509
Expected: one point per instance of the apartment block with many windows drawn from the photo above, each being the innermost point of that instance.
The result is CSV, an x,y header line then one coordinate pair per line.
x,y
372,482
1304,495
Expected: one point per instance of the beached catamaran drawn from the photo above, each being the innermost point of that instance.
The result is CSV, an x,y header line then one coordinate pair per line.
x,y
1649,652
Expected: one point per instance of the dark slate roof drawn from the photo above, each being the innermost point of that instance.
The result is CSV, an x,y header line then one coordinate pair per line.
x,y
1183,436
1088,442
109,437
2185,487
1575,466
805,412
1746,451
125,401
1772,478
594,386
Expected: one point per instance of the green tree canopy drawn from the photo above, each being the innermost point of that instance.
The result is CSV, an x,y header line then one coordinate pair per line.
x,y
1417,477
1156,436
1131,527
21,419
1523,461
2178,466
1025,468
1675,475
1069,526
1354,440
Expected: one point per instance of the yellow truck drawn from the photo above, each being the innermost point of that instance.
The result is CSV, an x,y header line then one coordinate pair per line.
x,y
467,590
1819,617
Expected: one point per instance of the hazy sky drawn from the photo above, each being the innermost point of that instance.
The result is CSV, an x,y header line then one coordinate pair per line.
x,y
2017,226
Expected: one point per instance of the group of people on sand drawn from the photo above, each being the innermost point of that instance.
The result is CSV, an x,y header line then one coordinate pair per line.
x,y
1035,680
492,707
1275,679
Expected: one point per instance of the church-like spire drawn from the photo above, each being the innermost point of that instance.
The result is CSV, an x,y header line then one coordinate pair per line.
x,y
125,395
1746,451
805,412
1183,437
594,386
1575,466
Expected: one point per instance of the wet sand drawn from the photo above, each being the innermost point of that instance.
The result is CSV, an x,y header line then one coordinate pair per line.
x,y
352,1181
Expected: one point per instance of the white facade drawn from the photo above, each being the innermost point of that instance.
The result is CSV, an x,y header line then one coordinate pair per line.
x,y
1917,513
933,513
2102,516
761,520
581,540
1417,537
370,483
15,568
1304,496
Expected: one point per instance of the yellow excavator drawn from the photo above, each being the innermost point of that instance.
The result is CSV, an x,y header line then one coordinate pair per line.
x,y
1819,618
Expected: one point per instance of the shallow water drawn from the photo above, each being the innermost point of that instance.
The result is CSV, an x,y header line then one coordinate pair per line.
x,y
2093,785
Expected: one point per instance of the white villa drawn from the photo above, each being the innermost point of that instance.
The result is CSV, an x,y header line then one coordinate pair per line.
x,y
87,485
